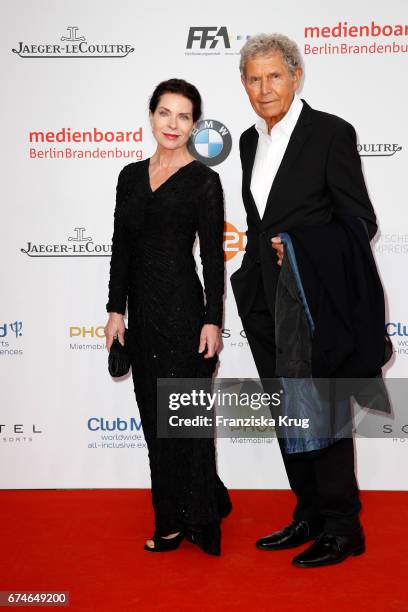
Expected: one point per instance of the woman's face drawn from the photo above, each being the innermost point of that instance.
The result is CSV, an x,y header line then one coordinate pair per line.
x,y
172,121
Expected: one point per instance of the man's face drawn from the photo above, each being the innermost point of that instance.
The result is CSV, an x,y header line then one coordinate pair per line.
x,y
270,86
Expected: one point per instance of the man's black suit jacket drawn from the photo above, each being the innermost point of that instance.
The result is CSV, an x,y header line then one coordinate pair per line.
x,y
320,172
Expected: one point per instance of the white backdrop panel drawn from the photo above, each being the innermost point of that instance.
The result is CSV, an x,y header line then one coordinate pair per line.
x,y
55,385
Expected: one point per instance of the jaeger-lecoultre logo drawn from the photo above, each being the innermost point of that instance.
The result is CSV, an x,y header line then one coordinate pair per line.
x,y
78,245
73,47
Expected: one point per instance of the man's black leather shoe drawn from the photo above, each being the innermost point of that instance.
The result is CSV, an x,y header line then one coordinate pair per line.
x,y
295,534
329,549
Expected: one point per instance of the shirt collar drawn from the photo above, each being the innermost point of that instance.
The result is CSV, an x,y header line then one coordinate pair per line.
x,y
285,125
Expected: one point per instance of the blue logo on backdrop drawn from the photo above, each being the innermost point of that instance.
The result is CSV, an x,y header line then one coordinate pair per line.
x,y
396,329
118,424
10,334
210,142
14,328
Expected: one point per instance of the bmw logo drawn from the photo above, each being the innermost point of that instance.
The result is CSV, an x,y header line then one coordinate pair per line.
x,y
210,142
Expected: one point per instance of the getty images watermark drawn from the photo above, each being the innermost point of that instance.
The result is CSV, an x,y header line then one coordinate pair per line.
x,y
307,409
206,401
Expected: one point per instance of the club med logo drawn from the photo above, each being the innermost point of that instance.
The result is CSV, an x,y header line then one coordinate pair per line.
x,y
11,333
118,424
378,149
116,433
211,40
397,329
78,245
210,142
357,35
74,46
234,241
399,333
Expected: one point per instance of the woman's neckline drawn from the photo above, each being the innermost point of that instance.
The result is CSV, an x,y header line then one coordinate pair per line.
x,y
170,177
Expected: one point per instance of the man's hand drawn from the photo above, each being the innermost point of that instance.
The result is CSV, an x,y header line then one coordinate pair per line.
x,y
278,246
114,327
211,337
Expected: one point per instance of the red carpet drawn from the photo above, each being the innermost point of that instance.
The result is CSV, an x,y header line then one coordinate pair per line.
x,y
90,543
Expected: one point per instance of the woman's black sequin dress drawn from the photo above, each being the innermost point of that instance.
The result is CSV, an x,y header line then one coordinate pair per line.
x,y
153,269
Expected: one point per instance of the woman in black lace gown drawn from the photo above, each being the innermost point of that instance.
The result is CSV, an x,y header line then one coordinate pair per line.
x,y
161,204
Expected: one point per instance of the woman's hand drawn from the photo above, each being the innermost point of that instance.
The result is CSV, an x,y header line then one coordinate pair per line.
x,y
210,337
114,327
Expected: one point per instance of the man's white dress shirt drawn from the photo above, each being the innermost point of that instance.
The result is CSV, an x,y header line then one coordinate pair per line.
x,y
270,151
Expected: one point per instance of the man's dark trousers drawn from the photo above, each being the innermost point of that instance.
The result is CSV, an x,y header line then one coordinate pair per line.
x,y
323,481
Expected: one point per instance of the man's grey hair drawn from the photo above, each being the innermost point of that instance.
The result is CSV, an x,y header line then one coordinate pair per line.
x,y
264,44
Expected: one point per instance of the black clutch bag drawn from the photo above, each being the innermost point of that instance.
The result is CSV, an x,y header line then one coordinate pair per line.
x,y
119,359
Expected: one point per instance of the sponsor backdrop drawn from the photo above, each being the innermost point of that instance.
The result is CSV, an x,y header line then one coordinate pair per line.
x,y
76,81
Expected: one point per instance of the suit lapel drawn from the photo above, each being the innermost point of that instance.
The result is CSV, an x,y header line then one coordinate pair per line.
x,y
300,134
249,158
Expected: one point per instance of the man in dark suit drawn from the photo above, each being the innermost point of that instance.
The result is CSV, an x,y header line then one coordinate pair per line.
x,y
299,166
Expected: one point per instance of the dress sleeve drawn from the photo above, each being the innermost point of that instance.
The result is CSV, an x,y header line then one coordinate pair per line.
x,y
211,236
345,177
121,251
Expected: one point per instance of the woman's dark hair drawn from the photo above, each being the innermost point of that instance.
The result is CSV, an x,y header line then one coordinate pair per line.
x,y
181,87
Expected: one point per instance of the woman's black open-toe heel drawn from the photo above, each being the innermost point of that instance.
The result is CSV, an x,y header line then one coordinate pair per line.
x,y
207,537
165,544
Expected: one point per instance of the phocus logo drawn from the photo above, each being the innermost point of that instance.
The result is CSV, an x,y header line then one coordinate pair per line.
x,y
234,241
76,331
